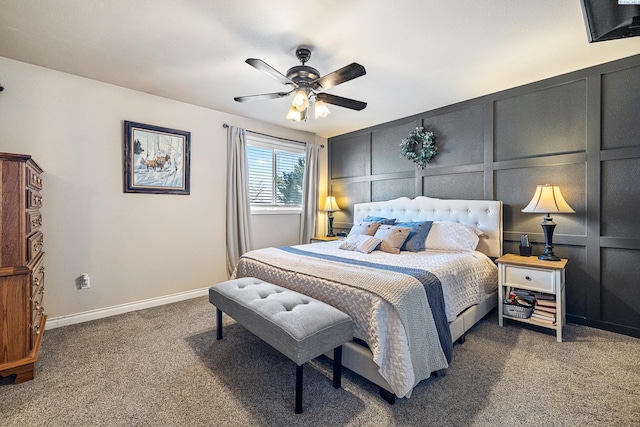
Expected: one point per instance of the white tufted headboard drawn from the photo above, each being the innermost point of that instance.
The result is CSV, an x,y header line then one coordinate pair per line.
x,y
483,214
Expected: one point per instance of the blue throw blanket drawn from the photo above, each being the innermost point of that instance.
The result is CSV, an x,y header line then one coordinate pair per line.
x,y
430,282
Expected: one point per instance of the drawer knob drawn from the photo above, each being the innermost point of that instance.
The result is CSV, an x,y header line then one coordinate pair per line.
x,y
527,277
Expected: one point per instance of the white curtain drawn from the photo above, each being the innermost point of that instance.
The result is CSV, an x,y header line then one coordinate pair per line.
x,y
238,203
310,193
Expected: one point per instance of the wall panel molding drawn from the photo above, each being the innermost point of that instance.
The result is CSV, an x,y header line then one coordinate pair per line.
x,y
551,160
578,130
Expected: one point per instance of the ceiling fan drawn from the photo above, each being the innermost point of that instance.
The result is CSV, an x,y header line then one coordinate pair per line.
x,y
306,82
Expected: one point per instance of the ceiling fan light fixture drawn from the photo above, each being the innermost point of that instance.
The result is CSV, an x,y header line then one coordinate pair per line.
x,y
301,100
296,115
305,83
321,110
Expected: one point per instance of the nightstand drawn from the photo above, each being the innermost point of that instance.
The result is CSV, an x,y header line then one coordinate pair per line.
x,y
531,274
318,239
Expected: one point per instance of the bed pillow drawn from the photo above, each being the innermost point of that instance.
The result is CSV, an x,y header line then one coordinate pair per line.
x,y
366,228
361,243
381,220
418,236
392,237
452,237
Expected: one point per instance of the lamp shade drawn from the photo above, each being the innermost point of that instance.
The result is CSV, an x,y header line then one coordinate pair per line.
x,y
548,199
300,100
321,110
296,115
330,205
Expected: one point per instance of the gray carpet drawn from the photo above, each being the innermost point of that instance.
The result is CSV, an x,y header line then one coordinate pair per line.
x,y
163,367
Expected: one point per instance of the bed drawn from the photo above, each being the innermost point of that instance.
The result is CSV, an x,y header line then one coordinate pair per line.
x,y
404,332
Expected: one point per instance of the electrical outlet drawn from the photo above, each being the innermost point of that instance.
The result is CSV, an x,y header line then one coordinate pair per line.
x,y
85,281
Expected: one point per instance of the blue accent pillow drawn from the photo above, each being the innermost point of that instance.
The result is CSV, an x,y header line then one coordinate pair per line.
x,y
418,236
379,220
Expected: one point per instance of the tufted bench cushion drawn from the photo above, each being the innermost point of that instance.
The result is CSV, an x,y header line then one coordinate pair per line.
x,y
298,326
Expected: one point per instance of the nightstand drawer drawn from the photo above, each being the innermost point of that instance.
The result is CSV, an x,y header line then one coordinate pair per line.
x,y
529,279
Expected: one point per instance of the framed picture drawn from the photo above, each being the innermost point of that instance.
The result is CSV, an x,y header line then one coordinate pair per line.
x,y
156,159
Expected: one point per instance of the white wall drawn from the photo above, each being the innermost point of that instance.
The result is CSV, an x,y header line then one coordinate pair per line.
x,y
275,230
134,246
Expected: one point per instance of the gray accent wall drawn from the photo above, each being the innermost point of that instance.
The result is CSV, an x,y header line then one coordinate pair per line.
x,y
579,130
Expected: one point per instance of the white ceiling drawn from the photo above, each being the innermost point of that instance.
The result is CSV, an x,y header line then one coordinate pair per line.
x,y
419,54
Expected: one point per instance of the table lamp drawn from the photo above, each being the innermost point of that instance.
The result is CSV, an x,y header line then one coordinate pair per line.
x,y
330,206
548,199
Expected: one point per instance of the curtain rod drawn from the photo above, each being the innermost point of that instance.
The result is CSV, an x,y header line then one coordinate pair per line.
x,y
224,125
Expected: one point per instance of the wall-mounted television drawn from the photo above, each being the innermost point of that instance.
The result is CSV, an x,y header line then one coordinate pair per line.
x,y
611,19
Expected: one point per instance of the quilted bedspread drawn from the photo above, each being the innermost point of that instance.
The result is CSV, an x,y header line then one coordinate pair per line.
x,y
389,307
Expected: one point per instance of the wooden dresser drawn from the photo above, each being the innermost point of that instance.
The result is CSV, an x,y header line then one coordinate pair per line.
x,y
22,317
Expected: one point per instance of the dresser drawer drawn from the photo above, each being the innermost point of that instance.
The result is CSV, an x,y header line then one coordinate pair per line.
x,y
34,180
37,277
34,245
34,222
527,278
34,199
37,309
37,328
37,296
37,287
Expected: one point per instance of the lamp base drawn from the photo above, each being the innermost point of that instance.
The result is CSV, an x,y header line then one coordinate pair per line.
x,y
547,227
330,234
550,257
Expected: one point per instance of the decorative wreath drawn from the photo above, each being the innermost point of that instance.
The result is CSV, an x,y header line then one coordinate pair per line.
x,y
419,147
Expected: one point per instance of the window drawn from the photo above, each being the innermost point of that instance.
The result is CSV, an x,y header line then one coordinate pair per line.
x,y
276,173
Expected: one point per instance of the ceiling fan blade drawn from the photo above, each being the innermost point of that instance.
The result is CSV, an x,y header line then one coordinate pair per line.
x,y
268,69
341,102
342,75
250,98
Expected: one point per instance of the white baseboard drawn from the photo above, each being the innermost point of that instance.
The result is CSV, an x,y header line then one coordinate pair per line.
x,y
85,316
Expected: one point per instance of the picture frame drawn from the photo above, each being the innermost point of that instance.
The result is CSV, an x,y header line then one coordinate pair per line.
x,y
156,159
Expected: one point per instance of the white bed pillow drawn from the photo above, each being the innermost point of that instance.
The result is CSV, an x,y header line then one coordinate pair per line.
x,y
452,237
366,228
392,237
361,243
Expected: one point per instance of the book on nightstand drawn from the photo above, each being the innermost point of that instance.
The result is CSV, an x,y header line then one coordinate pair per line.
x,y
543,318
545,308
546,303
542,313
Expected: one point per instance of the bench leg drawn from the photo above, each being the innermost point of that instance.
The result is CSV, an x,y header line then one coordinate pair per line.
x,y
337,367
219,323
299,389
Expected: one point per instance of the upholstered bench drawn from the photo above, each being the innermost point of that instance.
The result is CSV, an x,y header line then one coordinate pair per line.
x,y
299,327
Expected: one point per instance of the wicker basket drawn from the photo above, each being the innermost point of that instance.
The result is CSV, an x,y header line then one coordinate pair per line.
x,y
518,311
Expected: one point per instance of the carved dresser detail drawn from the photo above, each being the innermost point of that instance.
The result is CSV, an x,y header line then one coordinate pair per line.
x,y
22,317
